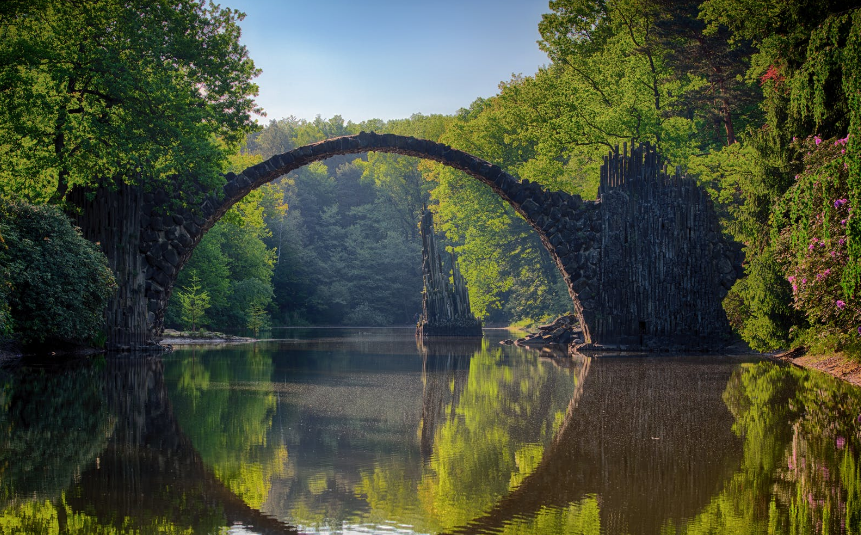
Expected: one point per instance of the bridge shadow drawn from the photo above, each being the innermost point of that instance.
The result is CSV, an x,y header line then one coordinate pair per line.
x,y
651,443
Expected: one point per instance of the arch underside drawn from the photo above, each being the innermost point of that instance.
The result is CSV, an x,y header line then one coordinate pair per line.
x,y
572,230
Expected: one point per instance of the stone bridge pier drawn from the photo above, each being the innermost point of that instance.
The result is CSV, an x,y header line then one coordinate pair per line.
x,y
646,264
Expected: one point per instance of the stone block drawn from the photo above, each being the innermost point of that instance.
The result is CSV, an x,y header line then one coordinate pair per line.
x,y
166,267
192,227
172,257
530,207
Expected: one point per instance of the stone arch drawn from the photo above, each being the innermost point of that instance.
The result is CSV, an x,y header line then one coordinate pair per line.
x,y
646,264
167,241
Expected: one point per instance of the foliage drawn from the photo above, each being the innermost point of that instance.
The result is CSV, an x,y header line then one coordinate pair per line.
x,y
234,264
194,302
96,91
811,226
257,318
806,60
59,281
5,290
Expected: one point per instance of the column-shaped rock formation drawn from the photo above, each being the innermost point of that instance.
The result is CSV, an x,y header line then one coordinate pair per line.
x,y
445,306
664,265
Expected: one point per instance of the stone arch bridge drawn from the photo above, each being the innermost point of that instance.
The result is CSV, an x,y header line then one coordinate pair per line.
x,y
645,264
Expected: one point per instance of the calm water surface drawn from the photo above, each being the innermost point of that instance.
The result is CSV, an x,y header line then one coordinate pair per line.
x,y
361,431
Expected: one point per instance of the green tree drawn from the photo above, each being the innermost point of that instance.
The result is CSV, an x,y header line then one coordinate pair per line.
x,y
195,301
58,282
257,318
806,59
98,91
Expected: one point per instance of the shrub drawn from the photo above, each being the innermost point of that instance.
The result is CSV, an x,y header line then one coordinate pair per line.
x,y
58,282
811,222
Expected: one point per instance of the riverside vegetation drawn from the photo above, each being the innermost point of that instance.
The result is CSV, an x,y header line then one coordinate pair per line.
x,y
760,103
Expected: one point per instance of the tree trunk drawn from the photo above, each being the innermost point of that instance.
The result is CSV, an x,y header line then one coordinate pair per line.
x,y
110,218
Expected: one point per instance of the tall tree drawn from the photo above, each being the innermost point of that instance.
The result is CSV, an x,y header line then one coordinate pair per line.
x,y
107,90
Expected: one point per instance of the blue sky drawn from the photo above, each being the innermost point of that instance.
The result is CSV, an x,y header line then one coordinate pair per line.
x,y
386,59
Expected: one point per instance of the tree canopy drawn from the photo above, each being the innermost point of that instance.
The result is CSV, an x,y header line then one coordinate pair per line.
x,y
92,92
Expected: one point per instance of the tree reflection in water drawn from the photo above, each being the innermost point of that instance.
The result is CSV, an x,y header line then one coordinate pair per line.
x,y
457,439
490,416
799,473
134,470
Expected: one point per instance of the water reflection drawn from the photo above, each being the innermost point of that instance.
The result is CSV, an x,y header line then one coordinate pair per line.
x,y
364,431
111,425
799,473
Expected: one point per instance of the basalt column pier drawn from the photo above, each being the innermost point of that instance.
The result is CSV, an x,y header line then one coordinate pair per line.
x,y
649,243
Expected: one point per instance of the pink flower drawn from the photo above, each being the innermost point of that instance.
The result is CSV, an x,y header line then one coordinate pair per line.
x,y
840,202
842,222
795,289
842,240
826,272
841,304
817,140
841,442
804,281
811,246
791,278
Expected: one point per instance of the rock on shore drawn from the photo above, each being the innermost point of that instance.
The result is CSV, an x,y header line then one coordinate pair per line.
x,y
558,334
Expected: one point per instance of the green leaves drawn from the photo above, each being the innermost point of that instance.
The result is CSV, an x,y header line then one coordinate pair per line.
x,y
58,283
98,90
194,301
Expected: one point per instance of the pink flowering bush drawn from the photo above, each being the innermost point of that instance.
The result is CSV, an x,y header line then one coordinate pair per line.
x,y
810,226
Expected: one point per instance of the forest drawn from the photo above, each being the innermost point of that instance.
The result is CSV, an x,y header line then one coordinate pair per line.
x,y
759,101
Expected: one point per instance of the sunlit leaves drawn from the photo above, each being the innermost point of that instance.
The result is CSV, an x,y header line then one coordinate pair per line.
x,y
96,91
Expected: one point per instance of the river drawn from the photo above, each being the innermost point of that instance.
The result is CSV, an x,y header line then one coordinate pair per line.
x,y
364,431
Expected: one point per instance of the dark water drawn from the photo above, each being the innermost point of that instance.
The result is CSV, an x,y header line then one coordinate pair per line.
x,y
357,431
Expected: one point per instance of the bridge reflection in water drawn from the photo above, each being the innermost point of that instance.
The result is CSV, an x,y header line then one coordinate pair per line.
x,y
365,431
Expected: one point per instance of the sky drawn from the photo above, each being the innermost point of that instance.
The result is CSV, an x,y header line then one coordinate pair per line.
x,y
386,59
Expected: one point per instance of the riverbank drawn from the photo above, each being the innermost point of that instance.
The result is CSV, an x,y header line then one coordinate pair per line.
x,y
838,364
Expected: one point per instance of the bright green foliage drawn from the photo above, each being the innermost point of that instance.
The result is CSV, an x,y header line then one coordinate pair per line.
x,y
807,59
194,301
101,90
234,264
58,282
257,318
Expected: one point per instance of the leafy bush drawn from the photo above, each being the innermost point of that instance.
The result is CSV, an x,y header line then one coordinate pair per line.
x,y
58,282
759,307
812,242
